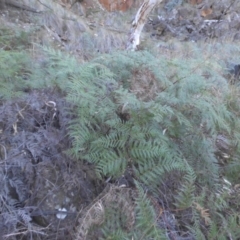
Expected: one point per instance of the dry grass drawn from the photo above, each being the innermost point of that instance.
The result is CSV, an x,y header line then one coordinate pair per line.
x,y
144,84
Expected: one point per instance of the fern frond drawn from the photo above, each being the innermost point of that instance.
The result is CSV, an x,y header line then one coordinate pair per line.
x,y
185,196
15,68
111,165
146,219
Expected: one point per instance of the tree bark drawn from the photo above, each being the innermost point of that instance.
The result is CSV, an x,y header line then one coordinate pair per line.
x,y
139,21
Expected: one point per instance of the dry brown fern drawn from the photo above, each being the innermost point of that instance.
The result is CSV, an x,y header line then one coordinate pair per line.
x,y
203,212
114,198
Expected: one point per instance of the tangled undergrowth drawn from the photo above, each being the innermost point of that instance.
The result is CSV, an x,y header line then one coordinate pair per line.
x,y
129,145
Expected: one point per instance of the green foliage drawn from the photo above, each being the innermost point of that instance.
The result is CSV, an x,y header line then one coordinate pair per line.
x,y
54,70
146,219
121,213
14,39
115,224
172,132
185,197
184,110
155,118
15,70
16,65
168,128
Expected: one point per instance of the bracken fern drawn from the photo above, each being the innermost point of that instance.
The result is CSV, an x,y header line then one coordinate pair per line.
x,y
171,127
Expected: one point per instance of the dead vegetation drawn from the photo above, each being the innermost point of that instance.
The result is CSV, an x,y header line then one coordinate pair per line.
x,y
38,178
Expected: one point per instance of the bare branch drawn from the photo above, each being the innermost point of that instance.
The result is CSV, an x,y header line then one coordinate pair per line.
x,y
139,21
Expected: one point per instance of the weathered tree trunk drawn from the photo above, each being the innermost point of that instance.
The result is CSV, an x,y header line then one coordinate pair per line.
x,y
139,21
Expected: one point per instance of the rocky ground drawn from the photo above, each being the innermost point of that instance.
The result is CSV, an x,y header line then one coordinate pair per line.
x,y
208,20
